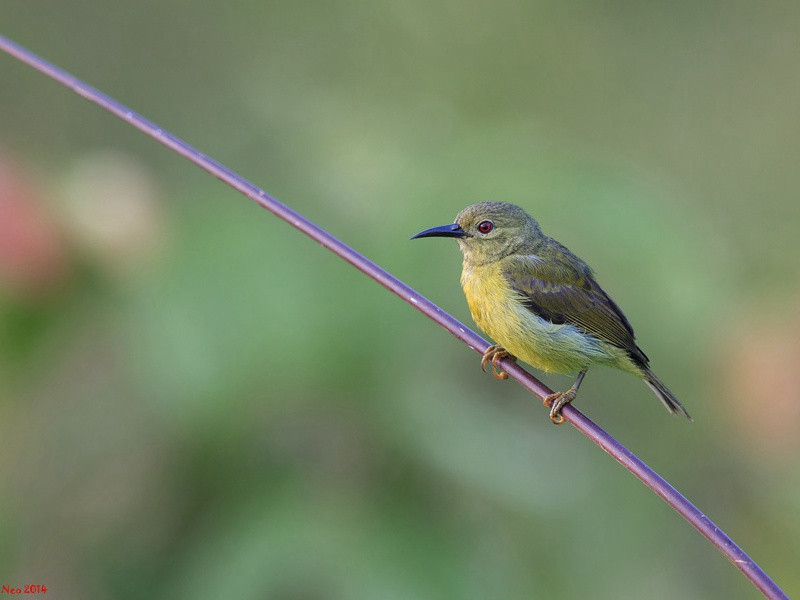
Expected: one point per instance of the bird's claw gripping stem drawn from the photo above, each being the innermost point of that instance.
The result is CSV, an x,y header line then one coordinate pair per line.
x,y
492,355
556,402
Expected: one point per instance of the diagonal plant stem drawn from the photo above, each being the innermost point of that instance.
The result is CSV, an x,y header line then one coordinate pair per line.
x,y
581,422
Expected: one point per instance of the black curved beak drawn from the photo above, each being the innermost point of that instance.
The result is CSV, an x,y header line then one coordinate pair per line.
x,y
452,231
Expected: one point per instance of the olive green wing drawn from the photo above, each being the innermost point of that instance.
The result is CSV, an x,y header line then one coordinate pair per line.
x,y
561,289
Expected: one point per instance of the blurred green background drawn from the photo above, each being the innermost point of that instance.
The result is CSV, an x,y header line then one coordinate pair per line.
x,y
197,401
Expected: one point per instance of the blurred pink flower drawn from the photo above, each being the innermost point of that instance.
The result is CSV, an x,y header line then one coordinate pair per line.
x,y
760,384
33,258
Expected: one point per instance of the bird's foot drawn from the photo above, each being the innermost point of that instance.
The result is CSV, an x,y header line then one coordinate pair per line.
x,y
492,355
557,401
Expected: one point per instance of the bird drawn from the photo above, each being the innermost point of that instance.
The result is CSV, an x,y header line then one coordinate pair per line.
x,y
541,303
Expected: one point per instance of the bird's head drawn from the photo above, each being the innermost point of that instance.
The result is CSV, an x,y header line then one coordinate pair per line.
x,y
489,231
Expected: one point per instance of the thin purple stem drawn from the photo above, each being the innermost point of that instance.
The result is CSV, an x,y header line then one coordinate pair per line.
x,y
585,425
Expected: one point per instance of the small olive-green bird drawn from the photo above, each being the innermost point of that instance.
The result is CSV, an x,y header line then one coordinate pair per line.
x,y
541,303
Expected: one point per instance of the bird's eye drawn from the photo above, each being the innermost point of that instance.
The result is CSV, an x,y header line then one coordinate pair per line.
x,y
485,226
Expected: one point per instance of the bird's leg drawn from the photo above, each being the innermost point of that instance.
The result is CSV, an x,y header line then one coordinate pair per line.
x,y
557,400
492,355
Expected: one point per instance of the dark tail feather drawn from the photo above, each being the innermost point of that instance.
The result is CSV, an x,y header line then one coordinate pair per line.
x,y
660,390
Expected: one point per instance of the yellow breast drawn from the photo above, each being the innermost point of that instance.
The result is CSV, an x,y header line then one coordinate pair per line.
x,y
495,309
487,295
